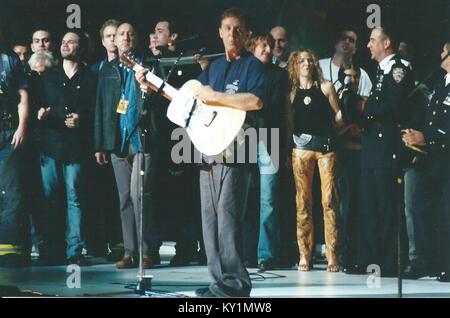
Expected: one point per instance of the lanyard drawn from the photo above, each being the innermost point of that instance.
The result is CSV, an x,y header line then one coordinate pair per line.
x,y
331,75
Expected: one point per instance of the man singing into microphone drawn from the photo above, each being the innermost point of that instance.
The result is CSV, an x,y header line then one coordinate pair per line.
x,y
171,180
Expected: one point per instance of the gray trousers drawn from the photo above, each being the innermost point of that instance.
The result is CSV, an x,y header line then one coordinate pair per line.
x,y
223,191
126,171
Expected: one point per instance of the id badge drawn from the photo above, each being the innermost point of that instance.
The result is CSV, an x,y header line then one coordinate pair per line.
x,y
122,106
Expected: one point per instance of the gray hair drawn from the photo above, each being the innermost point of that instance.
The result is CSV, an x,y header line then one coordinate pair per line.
x,y
50,61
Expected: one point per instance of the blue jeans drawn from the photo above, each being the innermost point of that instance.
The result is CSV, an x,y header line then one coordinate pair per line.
x,y
12,199
54,173
269,235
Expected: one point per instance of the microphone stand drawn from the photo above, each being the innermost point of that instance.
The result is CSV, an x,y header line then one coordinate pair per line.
x,y
143,285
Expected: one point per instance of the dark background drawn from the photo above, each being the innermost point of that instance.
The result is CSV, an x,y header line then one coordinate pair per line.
x,y
423,24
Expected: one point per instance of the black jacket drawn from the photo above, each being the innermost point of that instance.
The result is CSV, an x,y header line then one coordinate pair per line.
x,y
107,135
436,131
385,114
273,113
65,96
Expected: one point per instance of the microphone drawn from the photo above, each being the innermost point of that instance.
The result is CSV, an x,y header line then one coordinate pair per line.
x,y
347,81
176,42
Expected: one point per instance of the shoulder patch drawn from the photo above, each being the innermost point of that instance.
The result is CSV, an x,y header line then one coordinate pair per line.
x,y
398,73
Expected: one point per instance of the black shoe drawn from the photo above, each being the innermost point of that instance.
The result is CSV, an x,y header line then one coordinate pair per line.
x,y
201,258
444,277
204,293
414,272
389,273
156,258
355,270
79,260
221,290
51,260
250,264
13,261
266,265
179,260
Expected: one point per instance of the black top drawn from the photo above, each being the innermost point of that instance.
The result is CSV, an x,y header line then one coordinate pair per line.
x,y
312,113
12,78
65,96
272,115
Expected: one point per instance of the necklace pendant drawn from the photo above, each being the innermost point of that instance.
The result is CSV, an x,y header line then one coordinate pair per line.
x,y
307,100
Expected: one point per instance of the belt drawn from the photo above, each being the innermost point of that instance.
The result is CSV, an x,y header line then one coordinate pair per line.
x,y
314,143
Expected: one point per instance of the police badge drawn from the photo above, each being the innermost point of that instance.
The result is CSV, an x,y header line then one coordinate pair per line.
x,y
398,73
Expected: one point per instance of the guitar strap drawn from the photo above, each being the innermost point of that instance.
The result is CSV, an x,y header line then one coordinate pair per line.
x,y
227,69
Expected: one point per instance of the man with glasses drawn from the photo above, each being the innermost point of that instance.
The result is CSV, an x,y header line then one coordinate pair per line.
x,y
348,144
345,49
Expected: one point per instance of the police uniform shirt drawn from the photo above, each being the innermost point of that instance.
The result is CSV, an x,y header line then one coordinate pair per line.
x,y
384,111
436,125
331,73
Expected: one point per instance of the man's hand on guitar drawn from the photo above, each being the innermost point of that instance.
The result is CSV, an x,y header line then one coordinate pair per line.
x,y
140,77
413,137
205,93
144,84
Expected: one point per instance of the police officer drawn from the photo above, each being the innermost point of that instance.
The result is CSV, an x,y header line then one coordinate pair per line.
x,y
13,124
383,112
431,200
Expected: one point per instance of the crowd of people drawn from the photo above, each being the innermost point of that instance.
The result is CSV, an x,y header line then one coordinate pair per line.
x,y
77,139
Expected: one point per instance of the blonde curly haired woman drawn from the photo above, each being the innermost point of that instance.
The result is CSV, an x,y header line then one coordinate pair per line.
x,y
313,113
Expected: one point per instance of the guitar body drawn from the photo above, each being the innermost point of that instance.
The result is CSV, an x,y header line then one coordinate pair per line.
x,y
211,128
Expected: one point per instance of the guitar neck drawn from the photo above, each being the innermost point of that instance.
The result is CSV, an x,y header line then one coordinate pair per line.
x,y
169,90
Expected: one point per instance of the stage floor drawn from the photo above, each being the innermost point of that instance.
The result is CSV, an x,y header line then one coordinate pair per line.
x,y
104,280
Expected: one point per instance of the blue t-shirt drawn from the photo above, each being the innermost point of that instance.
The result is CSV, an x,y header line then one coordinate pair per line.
x,y
244,75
